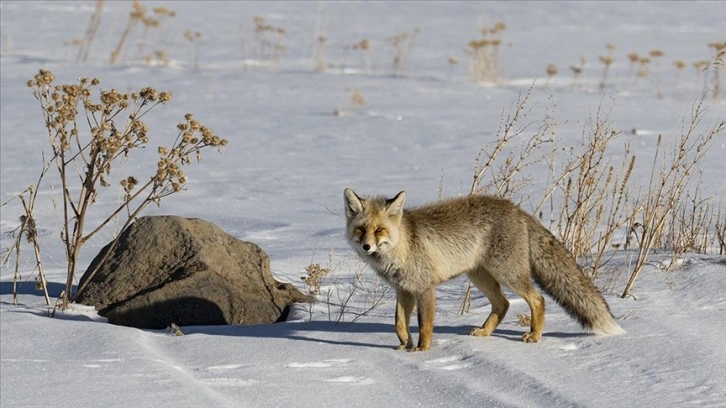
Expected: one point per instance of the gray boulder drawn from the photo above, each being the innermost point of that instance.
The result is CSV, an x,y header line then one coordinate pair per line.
x,y
169,269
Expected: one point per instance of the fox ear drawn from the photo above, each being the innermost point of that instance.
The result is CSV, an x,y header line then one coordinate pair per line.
x,y
353,205
394,206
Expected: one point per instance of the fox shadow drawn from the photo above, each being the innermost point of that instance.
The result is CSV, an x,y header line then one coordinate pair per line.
x,y
319,332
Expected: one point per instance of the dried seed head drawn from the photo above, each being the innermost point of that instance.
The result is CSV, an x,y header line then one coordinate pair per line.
x,y
164,97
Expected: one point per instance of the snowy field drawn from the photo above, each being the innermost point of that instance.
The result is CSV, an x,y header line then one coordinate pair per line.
x,y
280,181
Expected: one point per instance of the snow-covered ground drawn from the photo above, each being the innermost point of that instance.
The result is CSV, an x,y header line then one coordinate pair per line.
x,y
280,180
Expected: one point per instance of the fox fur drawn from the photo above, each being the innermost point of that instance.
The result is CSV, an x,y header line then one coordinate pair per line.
x,y
489,239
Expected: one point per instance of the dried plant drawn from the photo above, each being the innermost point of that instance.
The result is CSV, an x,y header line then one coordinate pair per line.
x,y
718,61
138,12
354,298
656,55
364,47
314,277
27,229
720,228
84,158
690,222
85,46
551,72
484,54
194,37
270,41
678,158
505,174
593,192
402,45
152,22
320,58
577,71
607,61
680,65
633,57
452,63
355,101
321,37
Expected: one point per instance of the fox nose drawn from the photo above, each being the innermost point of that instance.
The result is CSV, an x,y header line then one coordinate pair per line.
x,y
366,247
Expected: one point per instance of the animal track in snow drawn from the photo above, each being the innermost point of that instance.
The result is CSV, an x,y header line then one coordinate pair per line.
x,y
320,364
569,347
348,379
225,367
230,382
450,363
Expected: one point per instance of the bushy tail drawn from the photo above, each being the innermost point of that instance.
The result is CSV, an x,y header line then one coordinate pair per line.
x,y
557,273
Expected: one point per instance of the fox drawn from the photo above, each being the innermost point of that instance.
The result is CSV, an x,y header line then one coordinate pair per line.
x,y
491,240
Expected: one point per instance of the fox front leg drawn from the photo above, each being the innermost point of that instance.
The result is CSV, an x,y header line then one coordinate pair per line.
x,y
426,304
404,307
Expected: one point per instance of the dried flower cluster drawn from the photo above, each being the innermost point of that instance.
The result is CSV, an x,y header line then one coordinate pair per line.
x,y
315,275
87,156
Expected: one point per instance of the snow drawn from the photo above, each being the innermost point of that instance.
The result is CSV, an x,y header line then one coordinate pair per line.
x,y
280,180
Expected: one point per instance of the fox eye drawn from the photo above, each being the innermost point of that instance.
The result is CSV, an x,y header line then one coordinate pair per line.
x,y
379,230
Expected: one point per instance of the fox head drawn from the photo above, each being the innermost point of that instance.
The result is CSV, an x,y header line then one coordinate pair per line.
x,y
373,224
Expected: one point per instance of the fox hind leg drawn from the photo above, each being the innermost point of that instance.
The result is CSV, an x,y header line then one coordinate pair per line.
x,y
486,283
524,289
405,303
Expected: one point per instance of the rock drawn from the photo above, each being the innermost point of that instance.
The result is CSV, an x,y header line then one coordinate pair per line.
x,y
168,269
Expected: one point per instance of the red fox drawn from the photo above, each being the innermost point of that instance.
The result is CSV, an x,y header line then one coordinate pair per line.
x,y
490,239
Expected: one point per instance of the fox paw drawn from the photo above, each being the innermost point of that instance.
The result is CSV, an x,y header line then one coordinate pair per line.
x,y
479,332
531,337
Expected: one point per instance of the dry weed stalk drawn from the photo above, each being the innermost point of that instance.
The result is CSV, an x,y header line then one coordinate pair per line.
x,y
453,62
358,297
138,12
355,101
148,22
689,224
718,61
27,228
668,181
721,231
321,37
365,49
510,128
84,159
680,65
656,55
633,57
85,46
577,71
320,58
402,45
271,41
607,61
593,204
194,37
484,54
551,71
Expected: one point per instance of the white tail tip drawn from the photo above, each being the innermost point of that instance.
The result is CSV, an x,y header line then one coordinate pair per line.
x,y
607,328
